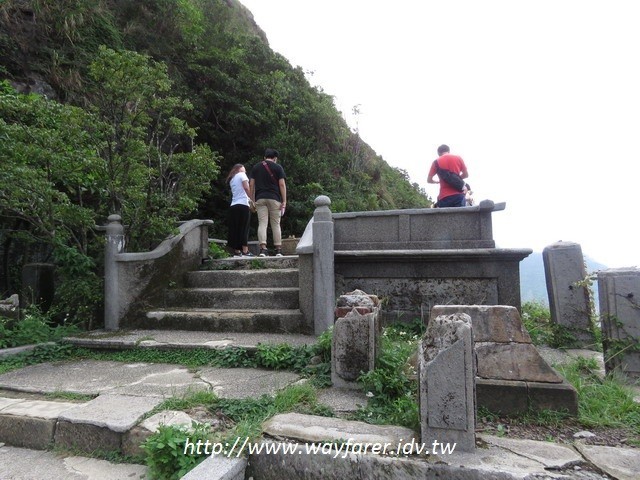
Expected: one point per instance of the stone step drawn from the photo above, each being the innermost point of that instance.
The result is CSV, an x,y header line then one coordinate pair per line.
x,y
124,394
224,320
233,298
184,339
252,263
271,277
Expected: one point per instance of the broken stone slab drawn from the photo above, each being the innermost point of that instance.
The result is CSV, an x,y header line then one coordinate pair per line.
x,y
446,382
491,323
102,423
620,463
515,361
94,377
313,429
23,463
246,382
551,455
135,437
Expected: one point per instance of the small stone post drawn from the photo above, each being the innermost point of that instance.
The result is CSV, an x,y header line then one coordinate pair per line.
x,y
113,246
447,388
619,295
355,338
569,303
323,266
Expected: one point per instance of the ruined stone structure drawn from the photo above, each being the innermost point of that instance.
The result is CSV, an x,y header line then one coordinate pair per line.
x,y
411,259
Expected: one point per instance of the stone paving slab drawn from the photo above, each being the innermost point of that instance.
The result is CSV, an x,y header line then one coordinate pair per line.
x,y
115,412
620,463
549,454
342,400
93,377
313,428
25,464
34,408
186,339
246,382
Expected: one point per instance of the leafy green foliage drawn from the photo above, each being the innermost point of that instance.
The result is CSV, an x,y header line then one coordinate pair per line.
x,y
34,327
216,251
165,450
537,321
390,386
40,354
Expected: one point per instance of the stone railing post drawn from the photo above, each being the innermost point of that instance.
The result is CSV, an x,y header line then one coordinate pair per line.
x,y
113,246
619,294
323,266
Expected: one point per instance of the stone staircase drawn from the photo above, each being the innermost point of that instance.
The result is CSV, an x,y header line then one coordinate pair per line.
x,y
247,295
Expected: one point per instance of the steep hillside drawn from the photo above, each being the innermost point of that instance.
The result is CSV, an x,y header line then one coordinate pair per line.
x,y
246,96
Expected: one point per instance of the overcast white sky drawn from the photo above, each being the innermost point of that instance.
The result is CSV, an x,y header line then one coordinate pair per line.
x,y
540,97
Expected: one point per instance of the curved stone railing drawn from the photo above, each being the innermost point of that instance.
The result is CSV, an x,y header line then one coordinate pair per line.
x,y
136,281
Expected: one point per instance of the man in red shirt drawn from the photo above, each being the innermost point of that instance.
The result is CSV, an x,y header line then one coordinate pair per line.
x,y
448,196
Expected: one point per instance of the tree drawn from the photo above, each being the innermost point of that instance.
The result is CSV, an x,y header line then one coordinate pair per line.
x,y
153,172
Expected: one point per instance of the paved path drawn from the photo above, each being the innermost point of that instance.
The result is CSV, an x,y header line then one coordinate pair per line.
x,y
120,394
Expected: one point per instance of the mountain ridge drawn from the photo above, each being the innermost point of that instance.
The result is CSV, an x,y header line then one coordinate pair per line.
x,y
533,284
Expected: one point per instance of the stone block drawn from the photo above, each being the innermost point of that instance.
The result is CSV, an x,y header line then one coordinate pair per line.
x,y
569,302
506,397
491,323
553,396
513,361
619,295
27,432
354,348
446,376
87,438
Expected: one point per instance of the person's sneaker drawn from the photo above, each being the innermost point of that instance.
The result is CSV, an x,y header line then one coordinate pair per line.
x,y
237,255
263,252
278,252
248,254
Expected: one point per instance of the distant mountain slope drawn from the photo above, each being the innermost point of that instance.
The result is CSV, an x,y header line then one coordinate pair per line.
x,y
533,285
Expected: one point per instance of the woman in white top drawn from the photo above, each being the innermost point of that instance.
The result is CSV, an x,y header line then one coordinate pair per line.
x,y
239,213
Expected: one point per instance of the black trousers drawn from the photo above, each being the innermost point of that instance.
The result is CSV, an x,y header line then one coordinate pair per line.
x,y
238,222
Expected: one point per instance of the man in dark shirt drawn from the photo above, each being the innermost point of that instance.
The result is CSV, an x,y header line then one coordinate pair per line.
x,y
269,192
